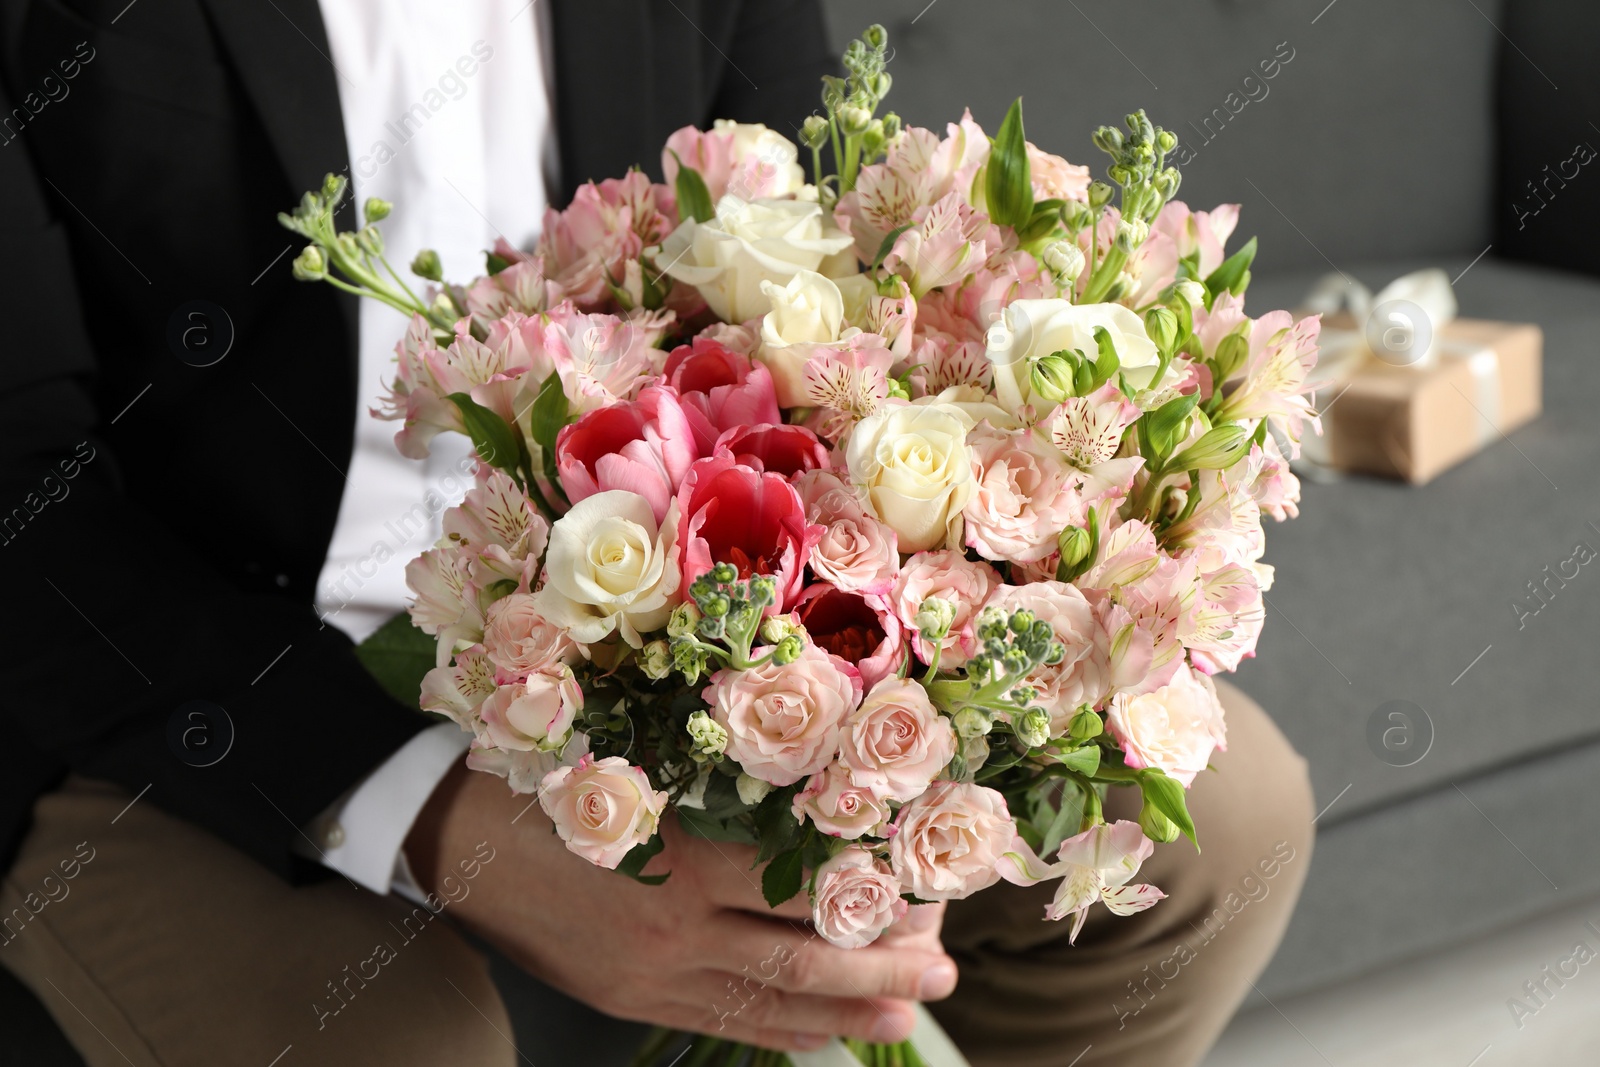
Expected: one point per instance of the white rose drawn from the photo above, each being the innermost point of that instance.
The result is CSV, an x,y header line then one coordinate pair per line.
x,y
763,159
610,569
912,463
807,310
1031,329
749,242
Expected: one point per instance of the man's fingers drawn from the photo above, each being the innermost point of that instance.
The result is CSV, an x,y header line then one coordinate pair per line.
x,y
922,922
797,960
725,873
783,1015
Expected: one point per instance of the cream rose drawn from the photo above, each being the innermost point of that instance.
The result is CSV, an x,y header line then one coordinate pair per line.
x,y
856,899
1174,729
610,569
806,311
949,840
1029,330
897,741
783,722
534,714
912,463
748,242
602,808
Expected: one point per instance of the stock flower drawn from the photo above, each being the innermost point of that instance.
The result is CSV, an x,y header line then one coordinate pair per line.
x,y
774,447
735,514
720,389
783,722
537,712
519,641
856,899
602,808
948,842
912,463
950,576
1096,865
748,242
1081,677
1173,729
643,446
610,569
839,805
1024,496
896,741
856,627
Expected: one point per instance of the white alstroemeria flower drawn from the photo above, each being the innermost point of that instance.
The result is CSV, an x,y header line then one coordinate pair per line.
x,y
1097,865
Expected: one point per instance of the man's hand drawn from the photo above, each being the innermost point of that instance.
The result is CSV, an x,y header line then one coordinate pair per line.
x,y
701,952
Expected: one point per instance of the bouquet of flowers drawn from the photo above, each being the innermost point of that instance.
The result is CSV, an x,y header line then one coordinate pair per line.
x,y
883,521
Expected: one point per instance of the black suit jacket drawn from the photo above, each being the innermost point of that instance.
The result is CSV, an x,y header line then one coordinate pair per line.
x,y
162,524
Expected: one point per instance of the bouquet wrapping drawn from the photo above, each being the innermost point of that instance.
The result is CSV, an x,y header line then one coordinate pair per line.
x,y
882,520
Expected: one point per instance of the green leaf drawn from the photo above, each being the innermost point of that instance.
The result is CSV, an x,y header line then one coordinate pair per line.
x,y
700,824
1085,760
1167,797
1162,424
1009,189
549,413
776,826
495,262
398,655
887,244
639,855
1066,822
694,199
1108,363
781,880
722,797
496,443
1234,273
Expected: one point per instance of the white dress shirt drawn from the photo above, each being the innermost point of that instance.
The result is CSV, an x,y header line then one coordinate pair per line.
x,y
447,116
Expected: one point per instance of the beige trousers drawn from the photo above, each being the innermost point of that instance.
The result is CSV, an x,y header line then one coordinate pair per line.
x,y
154,945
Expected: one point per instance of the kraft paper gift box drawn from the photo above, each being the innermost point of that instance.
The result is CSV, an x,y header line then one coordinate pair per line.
x,y
1481,381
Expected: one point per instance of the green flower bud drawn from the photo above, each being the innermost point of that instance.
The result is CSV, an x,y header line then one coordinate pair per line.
x,y
1166,140
775,628
814,132
376,209
1064,259
1021,621
1109,140
1085,725
788,650
655,659
1156,826
1120,287
725,572
752,790
1077,215
973,722
1161,326
1131,234
1073,543
891,126
1218,449
876,37
709,738
1033,728
1051,378
426,265
853,120
1231,353
935,616
681,622
309,266
763,590
716,606
881,83
991,624
370,240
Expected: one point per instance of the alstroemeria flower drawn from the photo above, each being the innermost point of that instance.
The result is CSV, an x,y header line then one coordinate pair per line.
x,y
584,247
1095,866
601,358
644,446
948,241
753,519
1272,382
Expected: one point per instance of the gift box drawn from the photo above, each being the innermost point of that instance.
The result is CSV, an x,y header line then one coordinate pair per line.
x,y
1481,380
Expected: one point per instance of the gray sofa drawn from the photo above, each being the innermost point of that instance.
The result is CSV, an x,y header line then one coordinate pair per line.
x,y
1397,134
1391,135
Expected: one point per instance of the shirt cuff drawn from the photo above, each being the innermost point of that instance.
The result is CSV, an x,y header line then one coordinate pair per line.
x,y
361,835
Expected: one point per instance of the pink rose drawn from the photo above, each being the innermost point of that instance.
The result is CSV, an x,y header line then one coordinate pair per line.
x,y
520,641
856,899
1056,179
774,447
858,552
896,741
1081,676
783,722
1174,728
602,808
735,514
859,628
839,805
951,576
720,389
1023,496
536,713
644,446
947,842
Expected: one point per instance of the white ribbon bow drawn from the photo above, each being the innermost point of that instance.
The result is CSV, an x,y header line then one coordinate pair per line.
x,y
1383,318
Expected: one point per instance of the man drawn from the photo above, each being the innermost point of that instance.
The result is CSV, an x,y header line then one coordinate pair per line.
x,y
205,519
